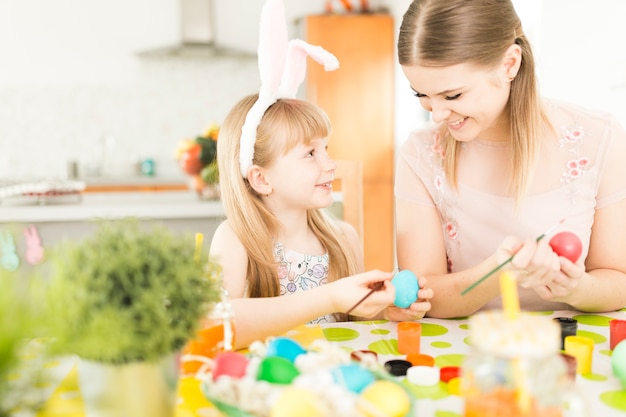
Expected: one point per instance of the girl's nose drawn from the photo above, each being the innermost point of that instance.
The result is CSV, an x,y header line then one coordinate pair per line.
x,y
327,163
331,165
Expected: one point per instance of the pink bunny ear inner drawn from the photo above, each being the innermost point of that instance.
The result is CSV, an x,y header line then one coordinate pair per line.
x,y
295,65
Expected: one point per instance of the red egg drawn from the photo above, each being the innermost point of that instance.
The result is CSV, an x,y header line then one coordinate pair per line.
x,y
567,244
230,363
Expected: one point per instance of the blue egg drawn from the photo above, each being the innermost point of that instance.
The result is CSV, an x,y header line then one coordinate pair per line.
x,y
285,348
354,377
406,285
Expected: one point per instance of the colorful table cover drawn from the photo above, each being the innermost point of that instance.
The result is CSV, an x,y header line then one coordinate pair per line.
x,y
445,340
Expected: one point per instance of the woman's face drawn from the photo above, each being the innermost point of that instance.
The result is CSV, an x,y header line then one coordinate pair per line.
x,y
470,100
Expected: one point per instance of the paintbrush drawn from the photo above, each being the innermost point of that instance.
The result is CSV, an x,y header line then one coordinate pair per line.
x,y
376,287
468,289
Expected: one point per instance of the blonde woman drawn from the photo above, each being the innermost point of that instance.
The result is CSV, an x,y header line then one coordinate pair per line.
x,y
499,165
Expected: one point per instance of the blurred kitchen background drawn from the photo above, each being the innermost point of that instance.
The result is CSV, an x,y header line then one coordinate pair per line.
x,y
93,81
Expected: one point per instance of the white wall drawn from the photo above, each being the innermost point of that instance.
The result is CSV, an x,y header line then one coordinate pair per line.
x,y
70,80
583,53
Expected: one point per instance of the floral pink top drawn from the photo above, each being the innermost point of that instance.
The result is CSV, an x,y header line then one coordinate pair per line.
x,y
589,174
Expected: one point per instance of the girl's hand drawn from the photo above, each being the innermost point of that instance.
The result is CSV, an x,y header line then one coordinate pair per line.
x,y
415,311
346,292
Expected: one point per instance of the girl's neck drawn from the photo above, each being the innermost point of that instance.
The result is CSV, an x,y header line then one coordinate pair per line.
x,y
297,235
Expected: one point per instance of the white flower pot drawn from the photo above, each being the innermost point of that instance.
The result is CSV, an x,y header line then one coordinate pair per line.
x,y
138,389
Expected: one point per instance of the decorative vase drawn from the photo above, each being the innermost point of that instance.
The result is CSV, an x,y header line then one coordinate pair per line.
x,y
133,389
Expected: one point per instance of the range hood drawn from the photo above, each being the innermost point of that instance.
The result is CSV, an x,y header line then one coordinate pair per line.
x,y
197,36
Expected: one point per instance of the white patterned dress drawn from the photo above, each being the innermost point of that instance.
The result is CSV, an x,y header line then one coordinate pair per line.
x,y
299,272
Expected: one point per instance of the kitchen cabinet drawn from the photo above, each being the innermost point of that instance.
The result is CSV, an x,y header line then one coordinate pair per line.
x,y
358,98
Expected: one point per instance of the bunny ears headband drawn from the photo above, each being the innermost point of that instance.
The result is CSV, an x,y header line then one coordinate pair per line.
x,y
282,66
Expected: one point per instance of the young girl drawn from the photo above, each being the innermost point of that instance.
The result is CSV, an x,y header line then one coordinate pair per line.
x,y
285,260
499,166
276,240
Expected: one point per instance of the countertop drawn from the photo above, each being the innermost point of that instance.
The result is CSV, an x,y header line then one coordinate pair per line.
x,y
161,205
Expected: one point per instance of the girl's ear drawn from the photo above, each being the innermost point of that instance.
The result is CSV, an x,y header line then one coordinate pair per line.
x,y
512,61
258,181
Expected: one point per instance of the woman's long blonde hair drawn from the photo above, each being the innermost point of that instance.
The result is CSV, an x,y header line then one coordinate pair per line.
x,y
444,33
285,124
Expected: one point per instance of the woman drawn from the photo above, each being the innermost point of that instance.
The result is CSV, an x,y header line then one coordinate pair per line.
x,y
499,165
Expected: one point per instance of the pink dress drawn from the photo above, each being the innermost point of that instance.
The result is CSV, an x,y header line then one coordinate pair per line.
x,y
582,170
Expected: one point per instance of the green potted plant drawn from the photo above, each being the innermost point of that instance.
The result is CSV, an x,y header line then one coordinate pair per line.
x,y
20,319
126,300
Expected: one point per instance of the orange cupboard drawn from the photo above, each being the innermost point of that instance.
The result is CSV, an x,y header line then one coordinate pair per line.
x,y
358,98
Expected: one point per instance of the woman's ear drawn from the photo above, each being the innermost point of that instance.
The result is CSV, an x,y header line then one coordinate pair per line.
x,y
512,61
258,181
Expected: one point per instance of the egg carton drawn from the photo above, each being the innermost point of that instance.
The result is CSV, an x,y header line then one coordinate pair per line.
x,y
247,396
42,192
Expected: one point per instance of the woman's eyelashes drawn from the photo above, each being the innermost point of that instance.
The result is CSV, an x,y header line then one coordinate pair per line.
x,y
449,98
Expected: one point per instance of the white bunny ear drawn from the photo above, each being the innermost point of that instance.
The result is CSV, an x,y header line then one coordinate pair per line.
x,y
282,67
273,43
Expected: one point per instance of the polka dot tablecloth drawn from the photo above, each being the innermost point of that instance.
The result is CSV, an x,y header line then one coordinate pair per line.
x,y
445,340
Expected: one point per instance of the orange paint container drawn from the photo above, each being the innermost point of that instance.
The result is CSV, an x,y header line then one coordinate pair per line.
x,y
409,337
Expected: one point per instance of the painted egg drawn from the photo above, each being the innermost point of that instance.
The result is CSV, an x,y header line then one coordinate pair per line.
x,y
406,285
229,363
384,398
354,377
296,402
277,370
567,244
618,362
285,348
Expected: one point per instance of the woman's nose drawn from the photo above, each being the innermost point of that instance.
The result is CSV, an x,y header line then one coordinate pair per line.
x,y
440,112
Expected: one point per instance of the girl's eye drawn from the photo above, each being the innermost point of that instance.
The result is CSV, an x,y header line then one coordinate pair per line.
x,y
418,95
453,97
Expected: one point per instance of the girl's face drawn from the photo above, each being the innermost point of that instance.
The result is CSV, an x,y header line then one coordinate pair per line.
x,y
468,99
301,178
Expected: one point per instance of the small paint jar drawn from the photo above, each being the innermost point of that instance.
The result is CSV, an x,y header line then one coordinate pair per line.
x,y
409,337
569,326
397,367
617,332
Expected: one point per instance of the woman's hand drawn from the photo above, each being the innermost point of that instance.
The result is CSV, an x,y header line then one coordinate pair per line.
x,y
538,267
534,261
563,285
415,311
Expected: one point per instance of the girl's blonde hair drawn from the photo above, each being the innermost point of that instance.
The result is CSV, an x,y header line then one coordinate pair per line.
x,y
285,124
444,33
